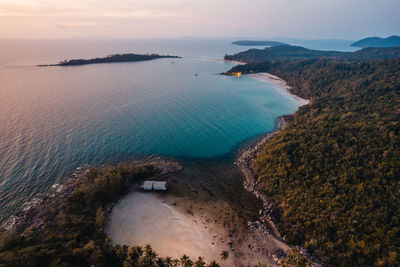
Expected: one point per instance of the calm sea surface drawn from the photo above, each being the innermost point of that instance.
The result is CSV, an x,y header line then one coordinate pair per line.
x,y
55,119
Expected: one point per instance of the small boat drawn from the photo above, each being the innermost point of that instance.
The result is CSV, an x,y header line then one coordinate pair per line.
x,y
196,74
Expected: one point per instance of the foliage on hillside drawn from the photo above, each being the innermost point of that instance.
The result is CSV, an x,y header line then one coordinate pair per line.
x,y
73,230
391,41
295,53
333,175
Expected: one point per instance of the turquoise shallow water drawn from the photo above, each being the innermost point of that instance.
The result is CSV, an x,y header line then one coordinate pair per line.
x,y
55,119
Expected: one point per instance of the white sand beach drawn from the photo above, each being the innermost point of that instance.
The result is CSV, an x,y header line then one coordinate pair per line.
x,y
145,218
275,79
174,226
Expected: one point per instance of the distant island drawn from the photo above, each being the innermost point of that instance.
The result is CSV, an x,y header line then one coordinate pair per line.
x,y
117,58
391,41
257,43
288,52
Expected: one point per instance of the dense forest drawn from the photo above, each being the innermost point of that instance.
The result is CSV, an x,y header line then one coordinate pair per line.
x,y
110,59
288,52
333,175
71,232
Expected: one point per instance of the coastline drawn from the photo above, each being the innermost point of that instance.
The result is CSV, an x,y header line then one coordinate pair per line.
x,y
256,241
228,61
265,76
35,212
244,161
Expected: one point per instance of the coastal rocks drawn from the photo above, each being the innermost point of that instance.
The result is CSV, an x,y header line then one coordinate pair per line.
x,y
163,166
245,164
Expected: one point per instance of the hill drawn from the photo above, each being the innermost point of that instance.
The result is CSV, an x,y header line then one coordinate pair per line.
x,y
287,52
392,41
333,175
257,43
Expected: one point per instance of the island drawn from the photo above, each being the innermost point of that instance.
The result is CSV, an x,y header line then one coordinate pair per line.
x,y
117,58
392,41
257,43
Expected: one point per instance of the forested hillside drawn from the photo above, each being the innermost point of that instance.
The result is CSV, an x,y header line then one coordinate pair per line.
x,y
333,175
292,53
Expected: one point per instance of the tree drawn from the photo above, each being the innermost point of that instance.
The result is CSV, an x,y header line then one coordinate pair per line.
x,y
186,261
200,262
100,218
224,255
213,264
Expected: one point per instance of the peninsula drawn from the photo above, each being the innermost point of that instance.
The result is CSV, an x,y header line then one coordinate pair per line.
x,y
117,58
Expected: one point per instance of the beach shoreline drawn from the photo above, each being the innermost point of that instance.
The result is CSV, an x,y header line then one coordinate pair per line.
x,y
228,61
246,156
267,77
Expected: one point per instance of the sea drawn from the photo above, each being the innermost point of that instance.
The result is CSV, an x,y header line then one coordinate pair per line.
x,y
54,120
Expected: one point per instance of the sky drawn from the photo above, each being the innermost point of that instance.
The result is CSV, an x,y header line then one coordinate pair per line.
x,y
307,19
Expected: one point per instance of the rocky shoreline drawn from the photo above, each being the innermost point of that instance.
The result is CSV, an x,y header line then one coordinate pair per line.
x,y
245,163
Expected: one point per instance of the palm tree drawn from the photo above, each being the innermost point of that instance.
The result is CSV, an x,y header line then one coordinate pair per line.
x,y
186,261
213,264
224,255
160,262
175,262
200,262
168,262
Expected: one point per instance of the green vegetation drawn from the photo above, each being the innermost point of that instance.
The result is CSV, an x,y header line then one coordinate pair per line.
x,y
391,41
71,232
333,175
288,52
110,59
294,259
257,43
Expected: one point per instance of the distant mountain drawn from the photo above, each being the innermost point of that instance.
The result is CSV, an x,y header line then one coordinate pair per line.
x,y
257,43
391,41
288,52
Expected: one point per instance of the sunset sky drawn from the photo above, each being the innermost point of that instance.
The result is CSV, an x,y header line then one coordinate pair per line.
x,y
342,19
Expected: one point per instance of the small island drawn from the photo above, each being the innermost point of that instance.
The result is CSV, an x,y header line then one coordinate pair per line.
x,y
117,58
391,41
257,43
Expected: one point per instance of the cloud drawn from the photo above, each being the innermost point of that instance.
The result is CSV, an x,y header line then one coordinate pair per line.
x,y
160,18
82,24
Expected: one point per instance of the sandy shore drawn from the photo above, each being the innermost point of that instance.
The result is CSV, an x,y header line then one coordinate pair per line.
x,y
275,79
200,214
148,218
229,61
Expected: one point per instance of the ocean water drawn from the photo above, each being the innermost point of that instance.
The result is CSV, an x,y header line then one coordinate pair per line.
x,y
56,119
